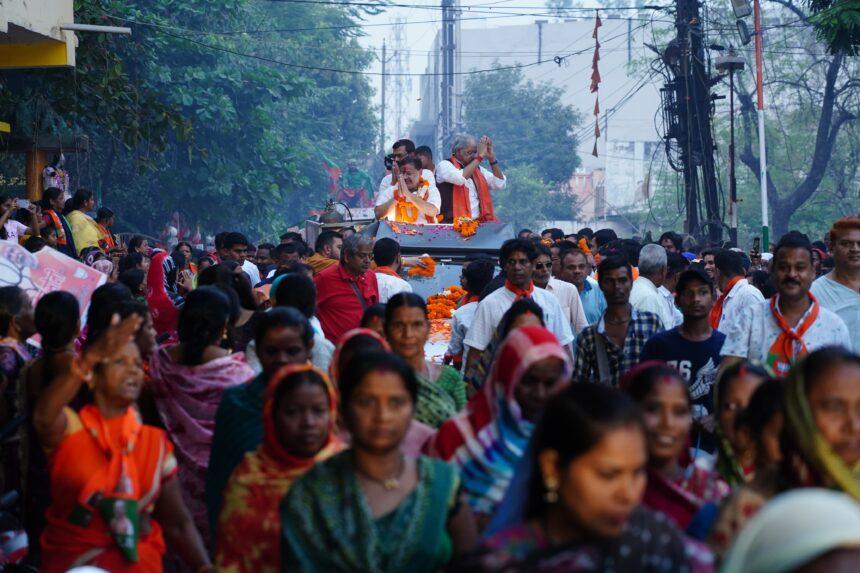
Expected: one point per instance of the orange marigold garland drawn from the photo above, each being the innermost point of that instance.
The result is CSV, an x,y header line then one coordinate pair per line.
x,y
583,246
441,306
428,270
465,226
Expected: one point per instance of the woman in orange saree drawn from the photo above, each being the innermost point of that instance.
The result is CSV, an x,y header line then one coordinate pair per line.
x,y
299,415
115,503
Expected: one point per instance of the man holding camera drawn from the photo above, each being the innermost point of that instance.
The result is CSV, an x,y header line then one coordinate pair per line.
x,y
464,185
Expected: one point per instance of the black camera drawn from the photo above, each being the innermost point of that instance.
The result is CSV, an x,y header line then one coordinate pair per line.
x,y
389,161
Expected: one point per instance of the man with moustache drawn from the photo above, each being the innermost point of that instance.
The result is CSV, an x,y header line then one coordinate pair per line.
x,y
792,323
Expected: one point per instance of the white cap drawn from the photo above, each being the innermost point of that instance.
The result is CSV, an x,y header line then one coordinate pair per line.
x,y
793,529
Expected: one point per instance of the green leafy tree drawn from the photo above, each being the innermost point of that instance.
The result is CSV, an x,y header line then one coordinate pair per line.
x,y
533,135
812,100
529,124
837,23
812,104
222,119
527,199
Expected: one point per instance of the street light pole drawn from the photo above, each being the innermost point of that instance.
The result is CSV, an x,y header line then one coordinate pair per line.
x,y
731,63
762,148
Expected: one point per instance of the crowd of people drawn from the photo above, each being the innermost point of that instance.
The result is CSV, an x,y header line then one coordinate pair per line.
x,y
604,404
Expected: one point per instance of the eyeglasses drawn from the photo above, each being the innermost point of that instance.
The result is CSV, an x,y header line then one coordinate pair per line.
x,y
543,266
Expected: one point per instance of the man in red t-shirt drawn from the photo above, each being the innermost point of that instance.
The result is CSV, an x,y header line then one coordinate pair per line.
x,y
345,290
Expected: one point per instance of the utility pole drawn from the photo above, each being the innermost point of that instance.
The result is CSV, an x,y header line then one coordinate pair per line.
x,y
687,110
540,24
732,63
762,148
384,60
382,110
400,79
447,87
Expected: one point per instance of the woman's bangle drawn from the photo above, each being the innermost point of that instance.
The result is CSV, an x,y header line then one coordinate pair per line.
x,y
494,162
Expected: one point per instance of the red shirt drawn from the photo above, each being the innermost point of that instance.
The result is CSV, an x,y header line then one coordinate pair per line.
x,y
338,306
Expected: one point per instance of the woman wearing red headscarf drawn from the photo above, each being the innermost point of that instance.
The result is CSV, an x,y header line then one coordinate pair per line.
x,y
487,439
160,285
299,416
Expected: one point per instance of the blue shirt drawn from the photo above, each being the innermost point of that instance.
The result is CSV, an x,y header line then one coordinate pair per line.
x,y
593,302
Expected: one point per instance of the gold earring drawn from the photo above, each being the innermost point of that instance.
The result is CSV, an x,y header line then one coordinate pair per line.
x,y
551,485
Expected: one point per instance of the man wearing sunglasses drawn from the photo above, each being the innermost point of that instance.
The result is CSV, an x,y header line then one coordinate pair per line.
x,y
566,293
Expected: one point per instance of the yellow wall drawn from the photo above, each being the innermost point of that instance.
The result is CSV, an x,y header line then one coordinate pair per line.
x,y
39,55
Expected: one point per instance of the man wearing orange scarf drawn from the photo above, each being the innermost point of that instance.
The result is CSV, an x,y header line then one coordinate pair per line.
x,y
386,255
779,331
412,199
738,295
464,185
517,259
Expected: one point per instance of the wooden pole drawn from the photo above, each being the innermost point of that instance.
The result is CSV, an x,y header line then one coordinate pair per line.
x,y
36,161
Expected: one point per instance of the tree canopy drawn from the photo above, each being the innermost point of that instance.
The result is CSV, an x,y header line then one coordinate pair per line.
x,y
532,130
216,109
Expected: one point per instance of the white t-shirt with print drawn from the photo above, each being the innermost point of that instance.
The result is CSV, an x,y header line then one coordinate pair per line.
x,y
14,229
754,332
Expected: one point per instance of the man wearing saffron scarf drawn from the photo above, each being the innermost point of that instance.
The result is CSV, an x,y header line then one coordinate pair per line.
x,y
738,295
517,259
412,199
386,254
464,185
792,323
326,251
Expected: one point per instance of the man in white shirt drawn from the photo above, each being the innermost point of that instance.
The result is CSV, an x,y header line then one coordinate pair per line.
x,y
675,265
738,295
235,248
644,295
464,185
517,258
792,323
839,290
566,293
402,149
412,199
386,255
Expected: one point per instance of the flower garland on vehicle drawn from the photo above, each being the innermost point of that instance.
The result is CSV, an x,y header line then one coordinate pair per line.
x,y
465,226
444,304
440,308
427,271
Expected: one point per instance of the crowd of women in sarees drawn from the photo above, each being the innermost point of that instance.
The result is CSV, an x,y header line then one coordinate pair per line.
x,y
387,463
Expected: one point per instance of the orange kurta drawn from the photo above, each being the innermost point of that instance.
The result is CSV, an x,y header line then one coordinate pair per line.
x,y
78,457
